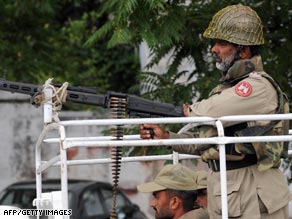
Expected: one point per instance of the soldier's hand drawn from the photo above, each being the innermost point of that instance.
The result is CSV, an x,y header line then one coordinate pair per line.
x,y
152,131
186,109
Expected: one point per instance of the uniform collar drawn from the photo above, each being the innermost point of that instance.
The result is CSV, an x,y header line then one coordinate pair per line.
x,y
241,68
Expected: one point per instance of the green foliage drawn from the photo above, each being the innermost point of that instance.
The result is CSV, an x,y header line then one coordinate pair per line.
x,y
42,39
278,39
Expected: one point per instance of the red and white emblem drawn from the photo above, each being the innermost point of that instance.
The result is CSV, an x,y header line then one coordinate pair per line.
x,y
243,89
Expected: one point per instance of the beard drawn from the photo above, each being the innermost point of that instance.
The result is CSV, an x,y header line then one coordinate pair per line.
x,y
163,214
223,64
163,217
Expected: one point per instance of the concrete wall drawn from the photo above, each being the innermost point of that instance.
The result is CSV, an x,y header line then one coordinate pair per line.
x,y
19,126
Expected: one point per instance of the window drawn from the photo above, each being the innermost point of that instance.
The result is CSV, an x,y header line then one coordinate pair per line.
x,y
92,205
108,196
8,198
27,198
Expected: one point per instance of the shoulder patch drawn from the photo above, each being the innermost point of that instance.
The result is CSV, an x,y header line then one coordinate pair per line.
x,y
243,89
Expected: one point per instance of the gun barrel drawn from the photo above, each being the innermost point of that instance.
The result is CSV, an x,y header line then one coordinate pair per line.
x,y
18,87
135,106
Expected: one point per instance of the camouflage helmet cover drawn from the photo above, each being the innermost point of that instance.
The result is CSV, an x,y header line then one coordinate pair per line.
x,y
237,24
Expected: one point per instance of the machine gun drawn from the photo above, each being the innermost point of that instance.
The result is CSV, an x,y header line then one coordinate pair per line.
x,y
120,104
135,106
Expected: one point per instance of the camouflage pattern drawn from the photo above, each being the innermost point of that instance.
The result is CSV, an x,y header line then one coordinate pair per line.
x,y
236,24
268,153
241,69
238,71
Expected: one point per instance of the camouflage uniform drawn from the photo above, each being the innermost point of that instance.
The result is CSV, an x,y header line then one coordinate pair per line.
x,y
259,189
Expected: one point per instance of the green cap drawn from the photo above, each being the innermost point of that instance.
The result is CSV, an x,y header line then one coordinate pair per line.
x,y
176,177
201,179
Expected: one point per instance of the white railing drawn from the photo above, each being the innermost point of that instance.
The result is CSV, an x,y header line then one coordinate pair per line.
x,y
134,140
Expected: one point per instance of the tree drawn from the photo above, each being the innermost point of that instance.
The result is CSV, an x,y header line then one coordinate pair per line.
x,y
43,39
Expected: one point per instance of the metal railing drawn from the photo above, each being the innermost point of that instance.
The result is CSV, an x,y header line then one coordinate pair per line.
x,y
134,140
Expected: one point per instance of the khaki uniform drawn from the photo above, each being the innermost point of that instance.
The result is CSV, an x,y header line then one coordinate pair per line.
x,y
195,214
251,94
244,187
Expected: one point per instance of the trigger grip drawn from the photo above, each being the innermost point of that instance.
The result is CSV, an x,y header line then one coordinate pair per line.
x,y
151,132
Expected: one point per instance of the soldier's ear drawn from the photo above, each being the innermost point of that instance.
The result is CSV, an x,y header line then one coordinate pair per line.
x,y
244,52
175,203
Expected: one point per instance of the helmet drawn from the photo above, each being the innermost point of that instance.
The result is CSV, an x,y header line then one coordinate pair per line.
x,y
236,24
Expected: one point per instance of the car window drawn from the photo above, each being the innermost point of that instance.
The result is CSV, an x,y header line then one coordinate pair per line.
x,y
7,199
2,193
24,198
108,196
21,198
27,198
92,205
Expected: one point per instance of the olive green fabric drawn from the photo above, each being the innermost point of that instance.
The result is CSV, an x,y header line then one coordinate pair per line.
x,y
176,177
236,24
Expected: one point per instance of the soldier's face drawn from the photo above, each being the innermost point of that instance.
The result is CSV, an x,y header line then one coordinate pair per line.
x,y
161,205
202,199
224,54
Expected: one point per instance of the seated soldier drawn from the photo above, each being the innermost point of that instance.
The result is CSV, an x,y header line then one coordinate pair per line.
x,y
174,193
200,178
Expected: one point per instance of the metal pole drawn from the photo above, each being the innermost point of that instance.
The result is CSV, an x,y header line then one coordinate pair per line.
x,y
222,160
48,112
64,170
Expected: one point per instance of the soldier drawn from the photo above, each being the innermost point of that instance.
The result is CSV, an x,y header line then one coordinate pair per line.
x,y
200,178
174,193
256,188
